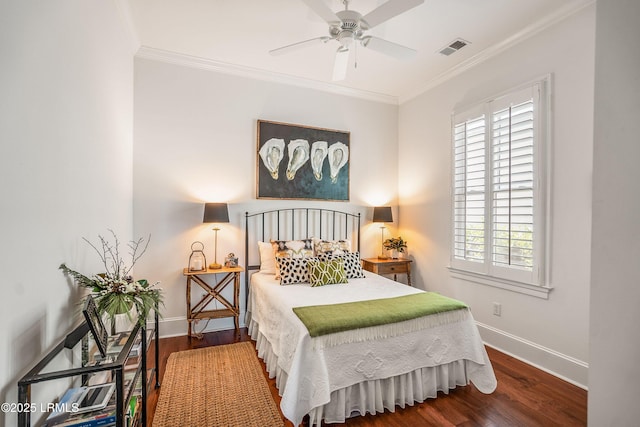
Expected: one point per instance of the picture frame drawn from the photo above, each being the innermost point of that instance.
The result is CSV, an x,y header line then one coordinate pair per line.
x,y
94,320
302,162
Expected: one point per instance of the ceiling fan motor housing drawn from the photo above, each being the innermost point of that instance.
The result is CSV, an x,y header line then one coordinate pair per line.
x,y
351,27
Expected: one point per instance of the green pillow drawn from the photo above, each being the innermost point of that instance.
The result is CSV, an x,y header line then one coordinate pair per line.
x,y
326,272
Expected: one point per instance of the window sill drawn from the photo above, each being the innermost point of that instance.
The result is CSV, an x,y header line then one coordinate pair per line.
x,y
483,279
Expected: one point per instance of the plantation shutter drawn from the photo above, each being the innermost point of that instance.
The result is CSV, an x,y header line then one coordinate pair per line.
x,y
498,197
512,204
469,189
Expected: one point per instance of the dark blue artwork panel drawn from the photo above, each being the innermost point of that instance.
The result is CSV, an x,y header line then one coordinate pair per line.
x,y
302,162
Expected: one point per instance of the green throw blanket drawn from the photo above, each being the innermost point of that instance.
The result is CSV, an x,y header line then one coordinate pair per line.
x,y
332,318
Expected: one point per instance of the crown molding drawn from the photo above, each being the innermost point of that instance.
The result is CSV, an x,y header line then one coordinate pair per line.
x,y
498,48
147,52
161,55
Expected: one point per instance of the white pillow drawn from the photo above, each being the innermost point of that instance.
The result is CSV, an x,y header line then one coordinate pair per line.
x,y
267,258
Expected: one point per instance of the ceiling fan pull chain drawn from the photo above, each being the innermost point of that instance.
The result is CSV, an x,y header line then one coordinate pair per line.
x,y
355,55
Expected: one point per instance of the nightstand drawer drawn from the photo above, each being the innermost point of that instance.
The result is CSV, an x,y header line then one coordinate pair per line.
x,y
388,266
392,268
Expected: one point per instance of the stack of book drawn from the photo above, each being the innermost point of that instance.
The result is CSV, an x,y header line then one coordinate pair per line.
x,y
103,417
87,406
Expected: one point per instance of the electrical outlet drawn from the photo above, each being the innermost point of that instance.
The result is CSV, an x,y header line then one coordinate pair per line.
x,y
497,309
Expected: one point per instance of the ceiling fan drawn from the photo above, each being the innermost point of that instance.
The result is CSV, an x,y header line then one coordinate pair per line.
x,y
349,26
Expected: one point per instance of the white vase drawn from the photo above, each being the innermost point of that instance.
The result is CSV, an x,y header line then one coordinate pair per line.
x,y
123,322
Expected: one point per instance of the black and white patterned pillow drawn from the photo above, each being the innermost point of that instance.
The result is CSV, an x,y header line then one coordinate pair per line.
x,y
292,249
352,265
293,270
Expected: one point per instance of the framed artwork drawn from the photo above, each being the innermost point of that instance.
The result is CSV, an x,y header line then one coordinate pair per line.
x,y
99,332
302,162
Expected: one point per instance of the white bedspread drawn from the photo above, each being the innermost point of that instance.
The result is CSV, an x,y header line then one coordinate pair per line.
x,y
314,371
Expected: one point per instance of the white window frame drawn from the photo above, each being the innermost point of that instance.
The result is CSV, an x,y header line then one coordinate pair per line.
x,y
531,282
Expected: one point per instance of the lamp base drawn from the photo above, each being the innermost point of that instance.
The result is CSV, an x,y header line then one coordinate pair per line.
x,y
383,257
215,266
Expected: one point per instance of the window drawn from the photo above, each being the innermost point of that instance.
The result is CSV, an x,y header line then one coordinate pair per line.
x,y
498,191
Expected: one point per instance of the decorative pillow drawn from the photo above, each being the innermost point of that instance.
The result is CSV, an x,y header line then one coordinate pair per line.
x,y
352,265
331,246
326,272
267,258
293,270
291,249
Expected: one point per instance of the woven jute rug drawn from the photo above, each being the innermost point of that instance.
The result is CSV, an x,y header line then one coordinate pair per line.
x,y
216,386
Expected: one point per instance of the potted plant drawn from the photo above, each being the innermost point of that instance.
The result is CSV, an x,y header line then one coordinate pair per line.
x,y
395,245
115,290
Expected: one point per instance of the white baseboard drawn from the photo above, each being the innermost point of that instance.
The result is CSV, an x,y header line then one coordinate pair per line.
x,y
557,364
177,326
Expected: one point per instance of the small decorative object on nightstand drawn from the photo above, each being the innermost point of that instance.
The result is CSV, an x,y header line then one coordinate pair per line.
x,y
216,213
197,260
388,266
382,214
396,245
231,260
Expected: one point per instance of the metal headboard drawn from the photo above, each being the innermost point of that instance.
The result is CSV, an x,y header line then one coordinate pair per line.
x,y
295,224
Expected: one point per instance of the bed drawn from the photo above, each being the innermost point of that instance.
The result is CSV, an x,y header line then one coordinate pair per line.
x,y
344,373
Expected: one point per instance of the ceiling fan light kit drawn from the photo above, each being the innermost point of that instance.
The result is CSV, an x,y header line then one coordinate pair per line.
x,y
348,26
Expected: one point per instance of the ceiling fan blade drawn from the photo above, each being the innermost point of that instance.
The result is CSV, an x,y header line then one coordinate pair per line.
x,y
341,63
388,48
322,10
388,10
295,46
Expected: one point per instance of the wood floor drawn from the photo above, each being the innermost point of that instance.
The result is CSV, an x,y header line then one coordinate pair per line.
x,y
525,396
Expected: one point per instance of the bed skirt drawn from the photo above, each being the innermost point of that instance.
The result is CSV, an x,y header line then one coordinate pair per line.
x,y
372,396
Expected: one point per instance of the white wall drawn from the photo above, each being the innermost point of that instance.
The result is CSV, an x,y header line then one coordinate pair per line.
x,y
551,333
195,142
615,292
65,165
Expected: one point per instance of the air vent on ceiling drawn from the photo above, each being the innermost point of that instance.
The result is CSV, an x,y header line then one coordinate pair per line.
x,y
454,46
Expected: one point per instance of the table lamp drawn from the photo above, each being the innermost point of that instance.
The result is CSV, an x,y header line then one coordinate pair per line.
x,y
382,214
216,213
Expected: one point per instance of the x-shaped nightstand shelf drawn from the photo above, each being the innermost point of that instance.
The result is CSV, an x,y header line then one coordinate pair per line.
x,y
222,278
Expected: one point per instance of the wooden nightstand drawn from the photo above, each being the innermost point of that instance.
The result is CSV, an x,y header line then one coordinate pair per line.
x,y
230,275
388,266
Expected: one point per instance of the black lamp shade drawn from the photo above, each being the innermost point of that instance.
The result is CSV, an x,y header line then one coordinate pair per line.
x,y
216,212
382,214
